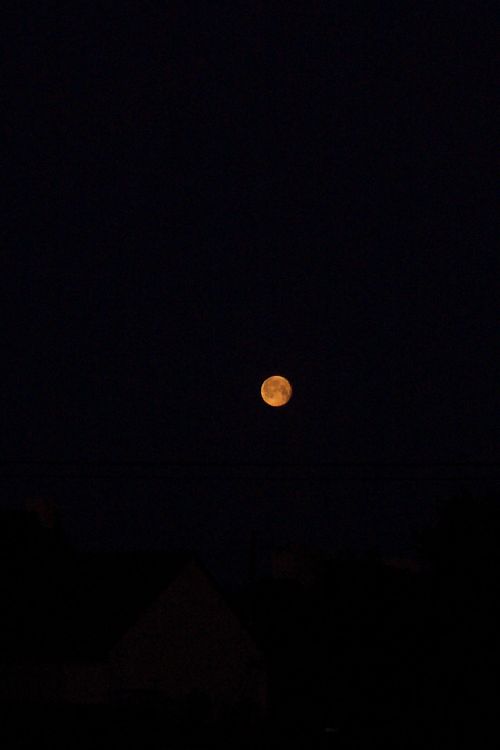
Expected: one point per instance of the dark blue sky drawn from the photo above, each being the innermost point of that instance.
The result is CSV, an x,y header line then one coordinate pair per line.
x,y
200,198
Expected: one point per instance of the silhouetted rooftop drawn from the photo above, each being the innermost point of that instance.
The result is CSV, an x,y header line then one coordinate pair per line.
x,y
80,604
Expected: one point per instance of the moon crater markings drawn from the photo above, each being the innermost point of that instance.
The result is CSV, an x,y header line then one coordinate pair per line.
x,y
276,390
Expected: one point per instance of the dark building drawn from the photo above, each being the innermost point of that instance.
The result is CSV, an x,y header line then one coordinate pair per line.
x,y
130,628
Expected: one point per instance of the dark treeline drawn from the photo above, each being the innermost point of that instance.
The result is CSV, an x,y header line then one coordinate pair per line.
x,y
359,652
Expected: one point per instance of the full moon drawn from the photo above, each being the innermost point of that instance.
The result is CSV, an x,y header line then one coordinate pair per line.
x,y
276,390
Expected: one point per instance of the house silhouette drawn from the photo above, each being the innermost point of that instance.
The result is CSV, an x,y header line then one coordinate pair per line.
x,y
134,628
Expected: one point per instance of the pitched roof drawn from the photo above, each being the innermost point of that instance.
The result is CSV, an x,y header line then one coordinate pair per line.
x,y
109,591
79,605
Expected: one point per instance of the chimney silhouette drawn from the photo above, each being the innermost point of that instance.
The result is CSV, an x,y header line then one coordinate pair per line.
x,y
45,509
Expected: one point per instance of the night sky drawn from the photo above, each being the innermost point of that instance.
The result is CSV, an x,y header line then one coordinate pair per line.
x,y
201,195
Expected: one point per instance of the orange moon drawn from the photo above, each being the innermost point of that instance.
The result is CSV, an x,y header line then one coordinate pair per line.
x,y
276,390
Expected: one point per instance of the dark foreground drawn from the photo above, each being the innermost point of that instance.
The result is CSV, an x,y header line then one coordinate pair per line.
x,y
92,727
